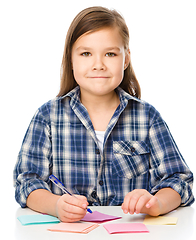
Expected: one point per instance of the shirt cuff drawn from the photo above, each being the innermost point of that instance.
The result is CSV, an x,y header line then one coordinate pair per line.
x,y
23,190
181,187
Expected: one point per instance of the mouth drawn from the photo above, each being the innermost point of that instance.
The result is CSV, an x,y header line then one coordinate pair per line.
x,y
99,77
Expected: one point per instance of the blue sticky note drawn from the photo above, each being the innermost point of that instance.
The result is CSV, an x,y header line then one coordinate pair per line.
x,y
37,219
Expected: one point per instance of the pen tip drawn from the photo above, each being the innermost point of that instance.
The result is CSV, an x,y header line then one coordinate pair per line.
x,y
89,210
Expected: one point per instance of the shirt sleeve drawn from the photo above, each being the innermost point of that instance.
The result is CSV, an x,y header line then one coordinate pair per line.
x,y
34,161
168,168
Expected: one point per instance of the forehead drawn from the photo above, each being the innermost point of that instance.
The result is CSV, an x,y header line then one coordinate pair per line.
x,y
106,37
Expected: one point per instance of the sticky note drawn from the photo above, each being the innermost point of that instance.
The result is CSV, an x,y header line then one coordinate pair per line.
x,y
98,217
126,228
37,219
149,220
73,227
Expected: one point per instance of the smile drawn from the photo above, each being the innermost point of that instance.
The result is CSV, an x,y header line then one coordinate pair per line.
x,y
99,77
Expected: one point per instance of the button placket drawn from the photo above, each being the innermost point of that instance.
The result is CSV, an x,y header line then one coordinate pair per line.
x,y
132,149
97,151
101,182
94,194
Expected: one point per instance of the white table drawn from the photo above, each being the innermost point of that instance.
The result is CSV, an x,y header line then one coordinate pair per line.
x,y
184,230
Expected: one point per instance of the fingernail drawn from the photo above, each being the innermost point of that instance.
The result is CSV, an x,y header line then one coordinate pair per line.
x,y
125,211
147,205
84,205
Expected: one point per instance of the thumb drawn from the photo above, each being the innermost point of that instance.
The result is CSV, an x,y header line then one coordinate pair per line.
x,y
151,202
83,200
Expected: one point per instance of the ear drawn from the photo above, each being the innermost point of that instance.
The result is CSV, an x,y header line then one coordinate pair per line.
x,y
127,58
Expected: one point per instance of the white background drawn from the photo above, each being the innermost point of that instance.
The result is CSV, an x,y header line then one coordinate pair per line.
x,y
163,53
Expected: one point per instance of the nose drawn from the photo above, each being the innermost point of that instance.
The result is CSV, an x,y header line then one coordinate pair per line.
x,y
98,64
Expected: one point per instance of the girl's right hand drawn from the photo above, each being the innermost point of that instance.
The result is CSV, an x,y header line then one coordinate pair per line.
x,y
71,209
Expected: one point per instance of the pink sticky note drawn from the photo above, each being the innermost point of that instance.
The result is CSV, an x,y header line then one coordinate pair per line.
x,y
98,217
73,227
126,228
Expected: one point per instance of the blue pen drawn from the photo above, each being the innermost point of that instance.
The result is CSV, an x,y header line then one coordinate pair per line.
x,y
61,186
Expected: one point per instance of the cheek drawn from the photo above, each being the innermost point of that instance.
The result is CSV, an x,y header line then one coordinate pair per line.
x,y
118,66
78,70
77,75
119,71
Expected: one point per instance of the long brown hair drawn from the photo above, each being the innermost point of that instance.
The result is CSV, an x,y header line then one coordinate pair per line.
x,y
90,20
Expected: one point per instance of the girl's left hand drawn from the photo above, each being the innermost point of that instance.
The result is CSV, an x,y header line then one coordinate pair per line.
x,y
141,201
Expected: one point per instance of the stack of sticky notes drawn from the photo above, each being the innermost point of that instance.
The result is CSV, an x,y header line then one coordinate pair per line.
x,y
126,228
74,227
98,217
160,220
37,219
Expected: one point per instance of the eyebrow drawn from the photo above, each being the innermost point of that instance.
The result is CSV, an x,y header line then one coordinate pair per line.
x,y
89,49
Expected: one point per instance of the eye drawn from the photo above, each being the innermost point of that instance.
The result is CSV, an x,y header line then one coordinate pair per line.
x,y
110,54
86,54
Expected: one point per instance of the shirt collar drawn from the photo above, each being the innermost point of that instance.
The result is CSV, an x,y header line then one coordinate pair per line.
x,y
124,96
72,93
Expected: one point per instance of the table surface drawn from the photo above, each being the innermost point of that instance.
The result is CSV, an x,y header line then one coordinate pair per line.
x,y
185,228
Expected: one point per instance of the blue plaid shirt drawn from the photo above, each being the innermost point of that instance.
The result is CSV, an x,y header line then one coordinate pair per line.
x,y
139,153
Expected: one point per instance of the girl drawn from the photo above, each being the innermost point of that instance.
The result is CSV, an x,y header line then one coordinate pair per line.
x,y
97,137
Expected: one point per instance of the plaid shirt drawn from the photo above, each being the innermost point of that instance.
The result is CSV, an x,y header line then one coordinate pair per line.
x,y
139,153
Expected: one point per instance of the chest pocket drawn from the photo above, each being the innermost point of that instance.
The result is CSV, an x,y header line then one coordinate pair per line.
x,y
130,158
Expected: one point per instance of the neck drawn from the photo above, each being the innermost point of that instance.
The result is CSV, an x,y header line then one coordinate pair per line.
x,y
100,102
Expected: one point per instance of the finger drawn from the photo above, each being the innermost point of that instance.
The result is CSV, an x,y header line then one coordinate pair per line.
x,y
125,205
70,217
141,203
72,209
133,203
79,201
151,202
82,198
130,201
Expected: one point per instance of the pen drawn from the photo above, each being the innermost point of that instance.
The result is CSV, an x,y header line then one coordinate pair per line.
x,y
61,186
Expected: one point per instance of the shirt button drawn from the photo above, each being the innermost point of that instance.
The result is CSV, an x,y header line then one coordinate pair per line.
x,y
97,151
132,149
101,183
94,194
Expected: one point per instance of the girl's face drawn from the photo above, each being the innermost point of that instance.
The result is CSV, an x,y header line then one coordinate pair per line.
x,y
98,61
